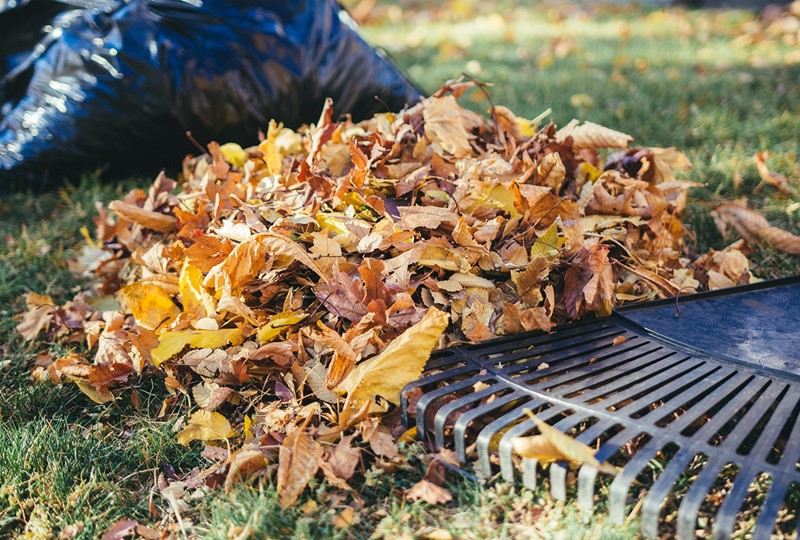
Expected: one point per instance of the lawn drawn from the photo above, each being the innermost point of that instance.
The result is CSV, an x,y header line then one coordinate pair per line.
x,y
706,82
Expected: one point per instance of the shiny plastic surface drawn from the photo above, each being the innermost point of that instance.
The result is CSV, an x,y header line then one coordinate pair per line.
x,y
84,83
757,325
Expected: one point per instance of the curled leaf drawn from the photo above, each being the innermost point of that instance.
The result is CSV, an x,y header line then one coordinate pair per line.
x,y
148,219
553,445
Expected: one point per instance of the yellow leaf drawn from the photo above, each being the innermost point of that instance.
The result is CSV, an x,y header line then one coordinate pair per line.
x,y
400,363
248,428
525,127
150,304
193,294
553,445
331,223
499,196
206,426
548,244
277,324
272,156
171,343
98,396
447,259
233,154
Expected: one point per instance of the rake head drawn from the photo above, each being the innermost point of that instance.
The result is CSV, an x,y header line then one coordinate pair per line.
x,y
697,401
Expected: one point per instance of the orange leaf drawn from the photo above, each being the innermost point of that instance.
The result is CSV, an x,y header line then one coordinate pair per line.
x,y
148,219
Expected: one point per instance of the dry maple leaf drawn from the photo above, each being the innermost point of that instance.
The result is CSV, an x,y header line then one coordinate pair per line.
x,y
444,125
150,304
428,492
553,445
41,310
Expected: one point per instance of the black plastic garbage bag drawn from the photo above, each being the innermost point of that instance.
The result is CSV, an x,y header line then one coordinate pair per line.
x,y
109,82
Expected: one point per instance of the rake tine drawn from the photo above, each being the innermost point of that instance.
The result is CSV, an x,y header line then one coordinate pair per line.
x,y
505,451
587,475
651,509
690,505
769,512
464,421
726,515
622,483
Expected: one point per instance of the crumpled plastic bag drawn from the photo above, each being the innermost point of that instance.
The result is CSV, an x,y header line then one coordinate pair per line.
x,y
111,83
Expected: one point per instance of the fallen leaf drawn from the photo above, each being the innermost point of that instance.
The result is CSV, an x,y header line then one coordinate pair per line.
x,y
277,324
591,135
428,492
444,125
150,304
345,518
171,343
344,458
120,529
243,464
206,426
778,181
553,445
298,462
148,219
401,362
41,310
754,227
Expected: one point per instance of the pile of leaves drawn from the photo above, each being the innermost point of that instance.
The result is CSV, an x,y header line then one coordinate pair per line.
x,y
293,288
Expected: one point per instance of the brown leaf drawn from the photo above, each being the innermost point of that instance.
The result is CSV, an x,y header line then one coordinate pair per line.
x,y
778,181
754,227
120,529
243,464
529,281
444,125
344,458
298,462
591,135
208,251
428,492
148,219
35,320
550,172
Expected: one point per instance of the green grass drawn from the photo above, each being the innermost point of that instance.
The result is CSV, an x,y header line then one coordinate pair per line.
x,y
65,460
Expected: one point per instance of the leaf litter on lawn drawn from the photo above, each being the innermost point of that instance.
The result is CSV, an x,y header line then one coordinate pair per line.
x,y
294,287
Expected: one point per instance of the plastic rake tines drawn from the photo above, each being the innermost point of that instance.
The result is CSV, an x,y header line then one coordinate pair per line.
x,y
690,425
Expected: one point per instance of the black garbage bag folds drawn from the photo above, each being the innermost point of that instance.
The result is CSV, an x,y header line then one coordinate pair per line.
x,y
92,83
